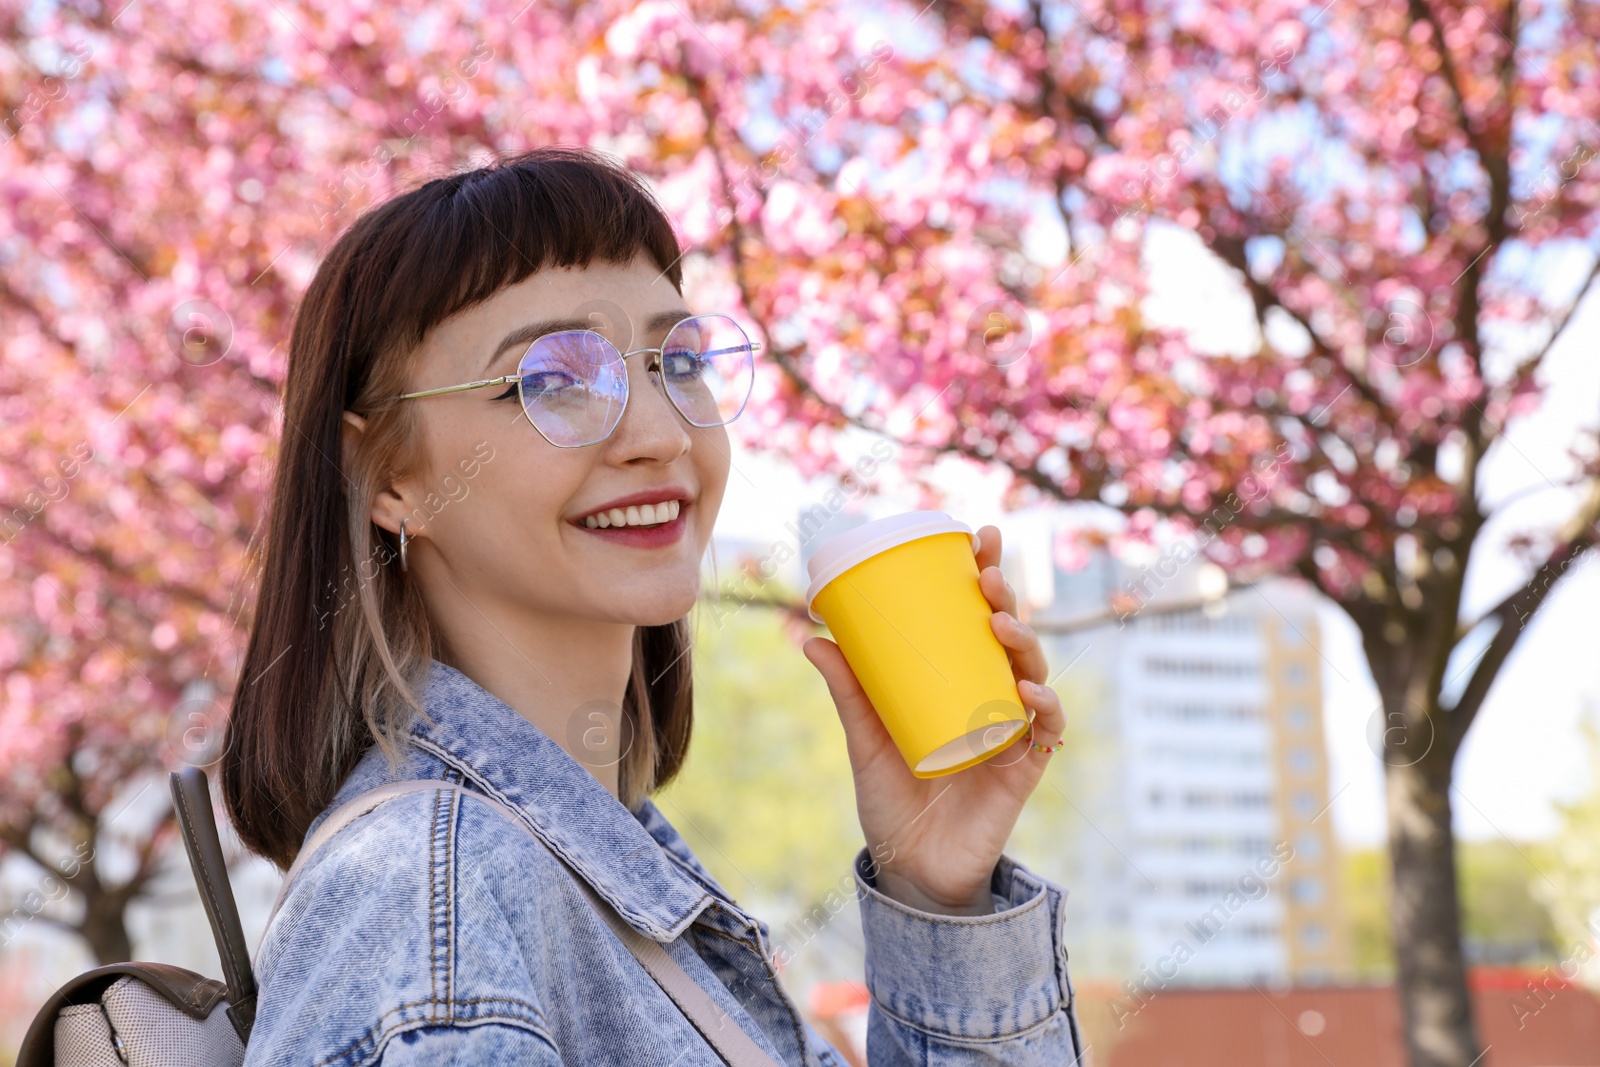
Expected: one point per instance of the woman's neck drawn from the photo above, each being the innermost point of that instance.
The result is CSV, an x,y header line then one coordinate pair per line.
x,y
566,676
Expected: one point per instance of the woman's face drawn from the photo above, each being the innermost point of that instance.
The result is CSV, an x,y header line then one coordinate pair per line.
x,y
504,526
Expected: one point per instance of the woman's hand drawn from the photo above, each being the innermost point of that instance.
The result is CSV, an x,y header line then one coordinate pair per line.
x,y
937,840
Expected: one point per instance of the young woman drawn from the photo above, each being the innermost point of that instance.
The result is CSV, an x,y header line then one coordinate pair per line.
x,y
484,542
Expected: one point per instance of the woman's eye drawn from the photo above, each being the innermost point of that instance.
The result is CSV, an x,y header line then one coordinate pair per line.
x,y
683,364
541,383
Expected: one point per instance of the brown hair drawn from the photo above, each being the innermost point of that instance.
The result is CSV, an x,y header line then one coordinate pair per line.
x,y
340,643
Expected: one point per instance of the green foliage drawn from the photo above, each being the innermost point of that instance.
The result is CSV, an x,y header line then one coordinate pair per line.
x,y
1572,888
1503,922
1075,775
1364,881
766,798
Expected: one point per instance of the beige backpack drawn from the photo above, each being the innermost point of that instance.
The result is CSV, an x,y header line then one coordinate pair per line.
x,y
155,1014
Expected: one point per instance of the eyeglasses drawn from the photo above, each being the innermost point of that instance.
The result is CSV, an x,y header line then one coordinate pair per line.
x,y
574,384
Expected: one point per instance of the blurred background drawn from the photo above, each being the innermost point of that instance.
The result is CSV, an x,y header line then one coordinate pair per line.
x,y
1265,332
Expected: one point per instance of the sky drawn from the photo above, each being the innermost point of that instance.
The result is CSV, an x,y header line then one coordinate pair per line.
x,y
1525,751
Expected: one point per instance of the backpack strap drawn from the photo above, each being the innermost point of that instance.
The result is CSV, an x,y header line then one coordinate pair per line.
x,y
721,1031
343,816
191,798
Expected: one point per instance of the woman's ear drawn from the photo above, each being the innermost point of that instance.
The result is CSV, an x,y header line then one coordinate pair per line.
x,y
388,506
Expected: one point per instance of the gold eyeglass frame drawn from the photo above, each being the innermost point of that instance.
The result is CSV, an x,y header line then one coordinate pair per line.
x,y
654,365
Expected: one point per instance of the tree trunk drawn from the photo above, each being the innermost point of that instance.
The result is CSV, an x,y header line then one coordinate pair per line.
x,y
106,930
1435,1008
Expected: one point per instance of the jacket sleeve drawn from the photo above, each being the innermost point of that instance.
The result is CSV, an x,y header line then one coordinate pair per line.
x,y
962,990
487,1045
827,1055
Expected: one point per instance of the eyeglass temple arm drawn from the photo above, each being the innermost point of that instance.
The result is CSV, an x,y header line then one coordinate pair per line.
x,y
505,379
753,345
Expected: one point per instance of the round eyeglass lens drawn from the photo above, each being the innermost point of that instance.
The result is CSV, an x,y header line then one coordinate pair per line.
x,y
708,367
572,386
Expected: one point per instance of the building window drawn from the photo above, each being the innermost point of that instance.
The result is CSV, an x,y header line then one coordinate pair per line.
x,y
1166,709
1214,798
1306,891
1312,935
1299,717
1295,674
1213,754
1308,847
1301,760
1201,667
1305,804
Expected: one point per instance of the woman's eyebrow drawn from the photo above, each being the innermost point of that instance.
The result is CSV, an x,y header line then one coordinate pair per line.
x,y
663,319
527,334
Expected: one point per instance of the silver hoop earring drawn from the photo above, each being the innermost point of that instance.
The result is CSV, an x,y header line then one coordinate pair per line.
x,y
403,540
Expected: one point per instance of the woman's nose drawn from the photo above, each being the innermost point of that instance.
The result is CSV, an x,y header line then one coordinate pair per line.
x,y
650,421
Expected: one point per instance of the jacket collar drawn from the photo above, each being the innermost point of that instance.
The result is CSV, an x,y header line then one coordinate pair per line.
x,y
501,753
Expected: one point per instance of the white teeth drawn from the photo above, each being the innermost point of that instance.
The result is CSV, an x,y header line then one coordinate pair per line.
x,y
638,515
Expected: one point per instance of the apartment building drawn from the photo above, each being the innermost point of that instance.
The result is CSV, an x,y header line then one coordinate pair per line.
x,y
1200,850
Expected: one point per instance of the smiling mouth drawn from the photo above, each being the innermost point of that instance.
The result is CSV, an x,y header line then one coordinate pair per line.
x,y
640,516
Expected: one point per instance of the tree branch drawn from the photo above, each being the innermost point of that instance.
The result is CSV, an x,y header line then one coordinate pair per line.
x,y
20,839
1069,626
1532,363
1496,164
108,562
1231,250
797,608
60,924
152,847
1513,612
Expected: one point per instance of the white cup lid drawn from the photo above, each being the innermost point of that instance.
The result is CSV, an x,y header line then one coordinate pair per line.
x,y
838,554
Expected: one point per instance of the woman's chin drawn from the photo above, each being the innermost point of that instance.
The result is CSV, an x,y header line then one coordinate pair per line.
x,y
659,609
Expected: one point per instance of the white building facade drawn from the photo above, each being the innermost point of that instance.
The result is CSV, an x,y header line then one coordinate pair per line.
x,y
1202,852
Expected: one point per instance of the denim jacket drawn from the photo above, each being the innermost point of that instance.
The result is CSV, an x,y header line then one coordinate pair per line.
x,y
432,932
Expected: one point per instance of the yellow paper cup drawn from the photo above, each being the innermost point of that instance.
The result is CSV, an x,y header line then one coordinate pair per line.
x,y
901,598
